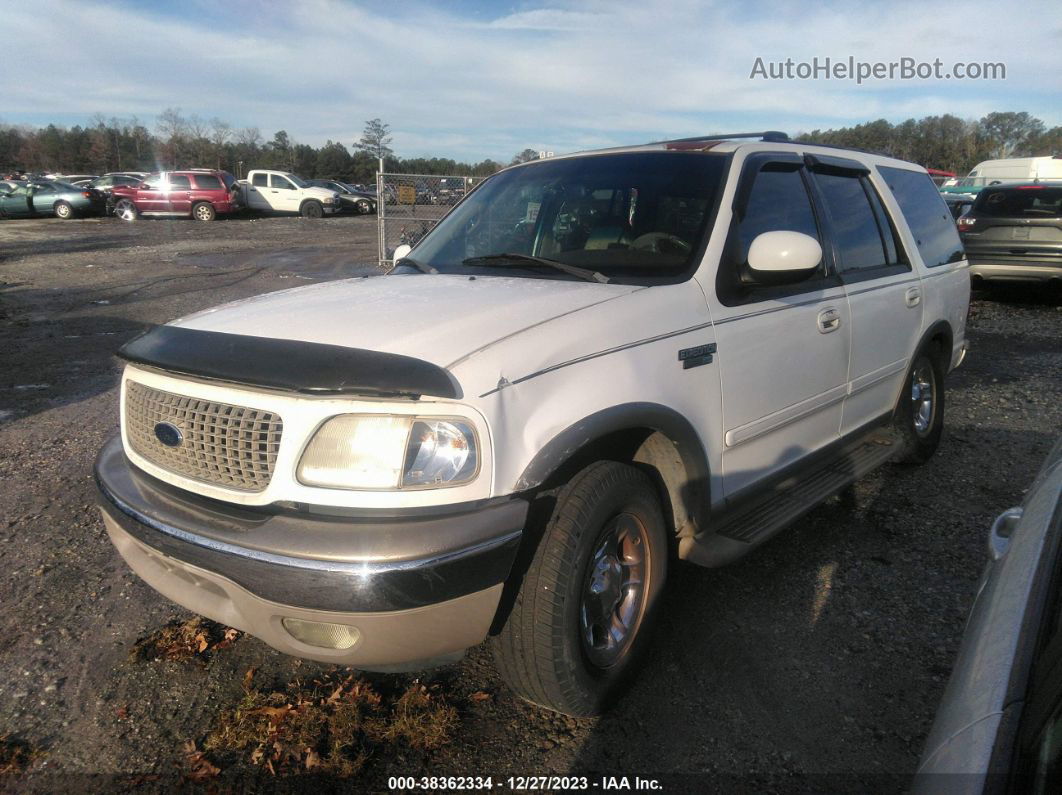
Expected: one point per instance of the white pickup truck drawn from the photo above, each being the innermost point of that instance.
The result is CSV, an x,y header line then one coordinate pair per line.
x,y
284,192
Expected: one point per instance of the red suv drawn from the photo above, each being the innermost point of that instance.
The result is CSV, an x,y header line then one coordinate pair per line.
x,y
202,194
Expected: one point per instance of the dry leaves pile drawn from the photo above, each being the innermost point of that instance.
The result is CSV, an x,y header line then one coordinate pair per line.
x,y
195,638
331,726
15,756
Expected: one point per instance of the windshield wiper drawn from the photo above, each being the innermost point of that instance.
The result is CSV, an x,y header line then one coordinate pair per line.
x,y
515,259
420,266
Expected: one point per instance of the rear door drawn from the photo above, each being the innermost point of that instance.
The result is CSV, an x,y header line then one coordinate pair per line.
x,y
884,293
258,191
782,351
179,194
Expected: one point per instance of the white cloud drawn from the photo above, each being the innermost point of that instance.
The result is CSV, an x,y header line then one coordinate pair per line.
x,y
568,76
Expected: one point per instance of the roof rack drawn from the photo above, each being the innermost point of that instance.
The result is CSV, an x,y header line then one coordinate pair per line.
x,y
772,136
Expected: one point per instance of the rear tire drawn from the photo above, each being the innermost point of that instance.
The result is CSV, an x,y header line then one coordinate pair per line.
x,y
582,617
363,207
919,417
126,210
204,211
64,211
312,209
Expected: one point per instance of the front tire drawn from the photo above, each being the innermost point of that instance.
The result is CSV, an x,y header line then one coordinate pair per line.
x,y
312,209
581,619
919,418
126,210
64,211
363,207
204,211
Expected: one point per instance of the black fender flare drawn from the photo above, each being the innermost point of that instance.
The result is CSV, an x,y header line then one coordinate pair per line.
x,y
694,493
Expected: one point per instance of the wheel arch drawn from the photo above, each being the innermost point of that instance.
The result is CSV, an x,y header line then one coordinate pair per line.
x,y
938,338
657,439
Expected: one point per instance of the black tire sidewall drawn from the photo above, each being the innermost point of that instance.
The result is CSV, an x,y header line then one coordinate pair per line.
x,y
312,209
638,498
918,447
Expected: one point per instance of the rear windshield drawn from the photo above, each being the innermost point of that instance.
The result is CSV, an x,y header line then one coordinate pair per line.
x,y
1029,202
626,215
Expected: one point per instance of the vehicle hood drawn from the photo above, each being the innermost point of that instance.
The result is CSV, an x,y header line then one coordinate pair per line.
x,y
439,318
323,193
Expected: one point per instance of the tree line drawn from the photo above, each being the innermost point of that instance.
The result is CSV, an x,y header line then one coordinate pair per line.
x,y
178,141
948,142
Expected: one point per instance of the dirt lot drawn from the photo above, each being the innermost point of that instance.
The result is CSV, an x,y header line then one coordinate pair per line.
x,y
815,664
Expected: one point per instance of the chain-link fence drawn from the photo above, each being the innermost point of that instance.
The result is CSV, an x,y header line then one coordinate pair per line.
x,y
409,205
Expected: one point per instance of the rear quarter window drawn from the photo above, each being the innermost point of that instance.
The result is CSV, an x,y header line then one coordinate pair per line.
x,y
926,214
207,182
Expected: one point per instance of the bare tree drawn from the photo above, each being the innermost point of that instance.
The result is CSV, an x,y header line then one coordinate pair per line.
x,y
220,133
173,129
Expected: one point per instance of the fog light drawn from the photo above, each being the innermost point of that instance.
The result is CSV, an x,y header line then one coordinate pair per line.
x,y
321,634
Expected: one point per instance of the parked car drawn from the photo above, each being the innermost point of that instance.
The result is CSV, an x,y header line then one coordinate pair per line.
x,y
72,179
958,203
349,198
1014,233
284,192
50,198
593,363
998,725
202,195
108,182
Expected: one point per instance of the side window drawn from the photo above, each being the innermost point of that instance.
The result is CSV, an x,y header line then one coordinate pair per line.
x,y
282,183
44,189
207,182
926,214
855,229
260,180
778,201
180,182
151,182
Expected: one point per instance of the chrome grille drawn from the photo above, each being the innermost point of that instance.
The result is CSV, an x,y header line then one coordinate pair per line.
x,y
231,446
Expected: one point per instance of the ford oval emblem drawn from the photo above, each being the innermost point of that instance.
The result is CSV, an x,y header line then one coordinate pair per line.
x,y
169,434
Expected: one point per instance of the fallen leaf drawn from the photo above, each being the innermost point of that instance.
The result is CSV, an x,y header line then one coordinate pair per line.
x,y
121,713
248,678
313,759
481,695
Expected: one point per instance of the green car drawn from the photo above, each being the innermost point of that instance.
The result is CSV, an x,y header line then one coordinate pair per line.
x,y
29,199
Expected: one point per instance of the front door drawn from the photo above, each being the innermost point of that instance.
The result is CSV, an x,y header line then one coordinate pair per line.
x,y
150,197
18,205
179,194
782,350
283,195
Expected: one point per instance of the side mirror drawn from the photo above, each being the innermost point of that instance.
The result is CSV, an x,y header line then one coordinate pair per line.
x,y
401,251
783,257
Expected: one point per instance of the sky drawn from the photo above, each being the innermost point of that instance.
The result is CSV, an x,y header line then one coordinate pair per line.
x,y
472,80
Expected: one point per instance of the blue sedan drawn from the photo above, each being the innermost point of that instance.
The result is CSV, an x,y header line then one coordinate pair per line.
x,y
29,199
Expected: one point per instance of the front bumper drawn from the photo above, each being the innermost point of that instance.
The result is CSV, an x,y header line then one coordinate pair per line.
x,y
416,589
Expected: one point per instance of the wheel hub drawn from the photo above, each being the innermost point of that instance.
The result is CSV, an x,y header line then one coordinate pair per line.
x,y
613,594
922,399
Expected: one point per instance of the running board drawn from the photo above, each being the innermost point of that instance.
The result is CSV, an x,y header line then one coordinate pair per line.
x,y
753,521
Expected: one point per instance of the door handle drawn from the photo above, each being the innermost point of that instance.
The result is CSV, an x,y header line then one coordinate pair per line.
x,y
913,297
829,320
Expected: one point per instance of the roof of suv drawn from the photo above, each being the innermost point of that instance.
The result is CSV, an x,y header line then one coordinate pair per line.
x,y
769,141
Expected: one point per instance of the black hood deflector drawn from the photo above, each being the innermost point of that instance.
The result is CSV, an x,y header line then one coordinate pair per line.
x,y
292,365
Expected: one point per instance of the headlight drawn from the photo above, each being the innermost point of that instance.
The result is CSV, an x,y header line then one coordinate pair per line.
x,y
361,451
328,200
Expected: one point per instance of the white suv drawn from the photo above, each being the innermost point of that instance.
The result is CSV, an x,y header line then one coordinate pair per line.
x,y
593,365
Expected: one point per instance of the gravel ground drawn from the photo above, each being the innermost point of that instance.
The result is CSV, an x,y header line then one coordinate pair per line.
x,y
814,664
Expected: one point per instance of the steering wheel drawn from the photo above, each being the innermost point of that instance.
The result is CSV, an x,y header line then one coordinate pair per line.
x,y
651,241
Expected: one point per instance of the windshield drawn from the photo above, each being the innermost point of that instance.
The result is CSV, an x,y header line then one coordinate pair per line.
x,y
636,214
299,181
